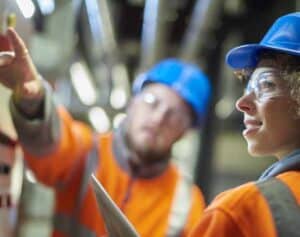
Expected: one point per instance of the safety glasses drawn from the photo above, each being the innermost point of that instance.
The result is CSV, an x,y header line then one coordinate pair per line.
x,y
266,83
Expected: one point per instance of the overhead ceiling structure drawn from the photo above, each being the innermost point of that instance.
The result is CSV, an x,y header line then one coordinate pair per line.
x,y
90,50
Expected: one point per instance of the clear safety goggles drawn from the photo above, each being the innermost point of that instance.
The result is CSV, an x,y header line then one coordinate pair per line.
x,y
266,84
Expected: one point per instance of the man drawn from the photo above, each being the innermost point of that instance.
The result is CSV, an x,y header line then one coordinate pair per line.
x,y
271,108
133,163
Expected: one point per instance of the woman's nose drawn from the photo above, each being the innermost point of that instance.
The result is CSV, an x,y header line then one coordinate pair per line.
x,y
246,103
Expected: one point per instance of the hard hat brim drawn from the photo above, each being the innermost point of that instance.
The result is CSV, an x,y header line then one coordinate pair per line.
x,y
247,56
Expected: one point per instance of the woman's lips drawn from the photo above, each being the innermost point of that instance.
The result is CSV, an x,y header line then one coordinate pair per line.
x,y
252,126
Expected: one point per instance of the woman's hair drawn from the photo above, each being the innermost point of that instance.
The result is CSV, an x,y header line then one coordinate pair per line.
x,y
289,67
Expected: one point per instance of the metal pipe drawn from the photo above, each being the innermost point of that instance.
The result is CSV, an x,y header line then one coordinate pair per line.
x,y
99,35
100,46
192,37
99,13
153,32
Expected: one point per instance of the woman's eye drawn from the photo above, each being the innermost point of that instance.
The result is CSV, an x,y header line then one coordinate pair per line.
x,y
267,84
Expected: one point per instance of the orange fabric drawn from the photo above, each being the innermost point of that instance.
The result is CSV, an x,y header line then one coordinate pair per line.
x,y
242,212
63,169
149,200
146,202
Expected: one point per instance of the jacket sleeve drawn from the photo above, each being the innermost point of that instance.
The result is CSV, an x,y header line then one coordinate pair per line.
x,y
52,144
230,214
216,222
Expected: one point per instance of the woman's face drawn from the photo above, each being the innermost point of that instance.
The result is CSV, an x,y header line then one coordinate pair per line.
x,y
272,126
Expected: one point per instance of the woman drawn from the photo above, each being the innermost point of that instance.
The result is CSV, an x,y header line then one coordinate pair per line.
x,y
271,109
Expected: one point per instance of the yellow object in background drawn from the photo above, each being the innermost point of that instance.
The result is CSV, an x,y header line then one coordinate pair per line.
x,y
11,20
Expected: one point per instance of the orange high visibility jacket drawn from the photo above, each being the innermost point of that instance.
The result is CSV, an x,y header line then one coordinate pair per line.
x,y
59,159
243,211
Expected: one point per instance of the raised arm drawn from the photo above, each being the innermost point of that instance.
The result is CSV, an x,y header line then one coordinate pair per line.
x,y
52,141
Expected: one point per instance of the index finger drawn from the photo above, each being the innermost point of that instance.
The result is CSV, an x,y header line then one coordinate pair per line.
x,y
17,43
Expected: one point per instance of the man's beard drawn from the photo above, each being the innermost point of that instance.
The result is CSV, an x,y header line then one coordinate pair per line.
x,y
146,155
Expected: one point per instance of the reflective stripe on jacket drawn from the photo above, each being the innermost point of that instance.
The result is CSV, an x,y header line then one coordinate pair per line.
x,y
283,205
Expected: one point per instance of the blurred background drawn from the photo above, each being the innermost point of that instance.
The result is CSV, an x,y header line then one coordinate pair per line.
x,y
91,50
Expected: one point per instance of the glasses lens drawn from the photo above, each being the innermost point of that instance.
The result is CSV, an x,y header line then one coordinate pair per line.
x,y
266,84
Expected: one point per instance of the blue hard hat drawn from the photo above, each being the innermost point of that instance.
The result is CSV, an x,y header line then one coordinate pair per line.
x,y
186,79
283,36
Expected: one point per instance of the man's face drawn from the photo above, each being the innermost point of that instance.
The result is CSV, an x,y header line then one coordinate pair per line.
x,y
157,117
272,126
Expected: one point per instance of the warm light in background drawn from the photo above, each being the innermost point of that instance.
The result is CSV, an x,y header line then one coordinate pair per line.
x,y
26,7
99,119
120,92
118,98
224,108
82,83
47,6
118,119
